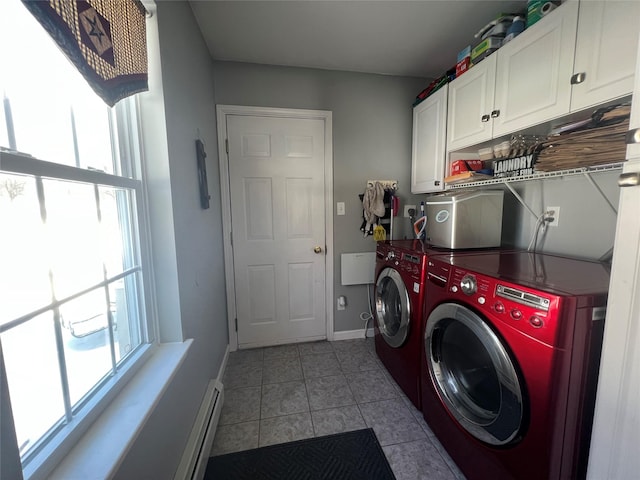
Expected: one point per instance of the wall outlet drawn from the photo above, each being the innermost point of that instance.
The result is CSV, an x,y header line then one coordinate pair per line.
x,y
342,302
340,208
406,209
554,213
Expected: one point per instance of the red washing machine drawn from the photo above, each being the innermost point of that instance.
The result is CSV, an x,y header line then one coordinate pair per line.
x,y
510,361
399,302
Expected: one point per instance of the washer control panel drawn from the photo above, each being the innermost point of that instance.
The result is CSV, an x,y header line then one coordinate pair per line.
x,y
407,263
527,310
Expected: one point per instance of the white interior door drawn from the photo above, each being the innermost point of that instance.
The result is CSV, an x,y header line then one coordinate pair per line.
x,y
277,193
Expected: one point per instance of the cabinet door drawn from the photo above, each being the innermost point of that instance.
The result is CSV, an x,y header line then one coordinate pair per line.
x,y
428,149
534,71
605,51
633,137
470,99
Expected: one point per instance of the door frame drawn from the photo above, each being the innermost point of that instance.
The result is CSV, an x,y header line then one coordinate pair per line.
x,y
225,197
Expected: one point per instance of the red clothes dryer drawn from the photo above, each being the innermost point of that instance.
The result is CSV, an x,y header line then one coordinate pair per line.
x,y
399,302
510,361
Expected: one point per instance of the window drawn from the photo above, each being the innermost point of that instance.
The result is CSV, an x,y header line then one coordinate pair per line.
x,y
73,268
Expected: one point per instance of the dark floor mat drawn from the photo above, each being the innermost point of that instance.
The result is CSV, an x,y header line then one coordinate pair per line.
x,y
351,455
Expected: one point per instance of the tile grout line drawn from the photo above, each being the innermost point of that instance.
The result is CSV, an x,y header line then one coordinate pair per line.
x,y
304,382
306,389
260,406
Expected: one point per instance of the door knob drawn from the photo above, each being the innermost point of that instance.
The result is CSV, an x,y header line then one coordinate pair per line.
x,y
317,250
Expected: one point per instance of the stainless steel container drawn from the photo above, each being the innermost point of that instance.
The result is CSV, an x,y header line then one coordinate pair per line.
x,y
471,219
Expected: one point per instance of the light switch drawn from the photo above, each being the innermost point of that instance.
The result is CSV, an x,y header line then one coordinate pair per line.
x,y
340,208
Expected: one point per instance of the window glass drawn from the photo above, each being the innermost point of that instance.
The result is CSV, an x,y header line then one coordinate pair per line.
x,y
74,243
87,348
73,236
115,233
127,310
24,276
53,111
72,283
33,374
91,121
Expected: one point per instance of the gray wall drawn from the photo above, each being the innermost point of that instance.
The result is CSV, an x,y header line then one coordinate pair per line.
x,y
187,77
586,223
372,121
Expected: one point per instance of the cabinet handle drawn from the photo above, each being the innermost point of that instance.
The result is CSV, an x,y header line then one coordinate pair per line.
x,y
630,179
485,118
633,136
495,114
578,78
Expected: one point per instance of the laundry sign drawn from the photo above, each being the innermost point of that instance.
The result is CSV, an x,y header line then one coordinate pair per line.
x,y
514,167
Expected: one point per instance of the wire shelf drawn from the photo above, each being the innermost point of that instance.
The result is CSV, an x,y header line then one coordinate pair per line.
x,y
538,176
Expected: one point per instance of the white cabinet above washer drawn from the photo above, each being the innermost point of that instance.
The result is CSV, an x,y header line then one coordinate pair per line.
x,y
428,145
533,72
524,83
470,105
581,55
606,47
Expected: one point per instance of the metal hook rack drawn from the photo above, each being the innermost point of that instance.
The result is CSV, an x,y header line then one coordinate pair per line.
x,y
386,184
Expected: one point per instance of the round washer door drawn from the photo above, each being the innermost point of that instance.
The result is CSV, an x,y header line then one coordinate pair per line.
x,y
474,374
393,311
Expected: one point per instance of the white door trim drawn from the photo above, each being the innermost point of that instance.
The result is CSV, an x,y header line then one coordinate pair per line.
x,y
225,196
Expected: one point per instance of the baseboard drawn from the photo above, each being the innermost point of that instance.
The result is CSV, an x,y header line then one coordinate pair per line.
x,y
271,343
352,334
198,449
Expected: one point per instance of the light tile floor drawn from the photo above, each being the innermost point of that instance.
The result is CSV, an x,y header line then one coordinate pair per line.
x,y
290,392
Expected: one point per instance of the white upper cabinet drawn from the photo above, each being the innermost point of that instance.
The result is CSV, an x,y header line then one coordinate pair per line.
x,y
470,104
606,48
428,147
524,83
533,72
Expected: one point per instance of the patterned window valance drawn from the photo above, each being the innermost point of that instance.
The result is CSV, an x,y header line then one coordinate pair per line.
x,y
105,40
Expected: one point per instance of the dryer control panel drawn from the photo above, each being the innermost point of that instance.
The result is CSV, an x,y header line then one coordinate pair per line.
x,y
531,312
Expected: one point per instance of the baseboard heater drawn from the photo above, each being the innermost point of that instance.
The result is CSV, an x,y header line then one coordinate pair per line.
x,y
196,454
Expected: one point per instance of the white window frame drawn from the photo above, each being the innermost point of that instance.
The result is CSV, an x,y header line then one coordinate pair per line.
x,y
126,138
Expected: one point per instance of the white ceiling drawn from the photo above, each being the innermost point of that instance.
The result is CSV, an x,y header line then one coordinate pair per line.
x,y
419,38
